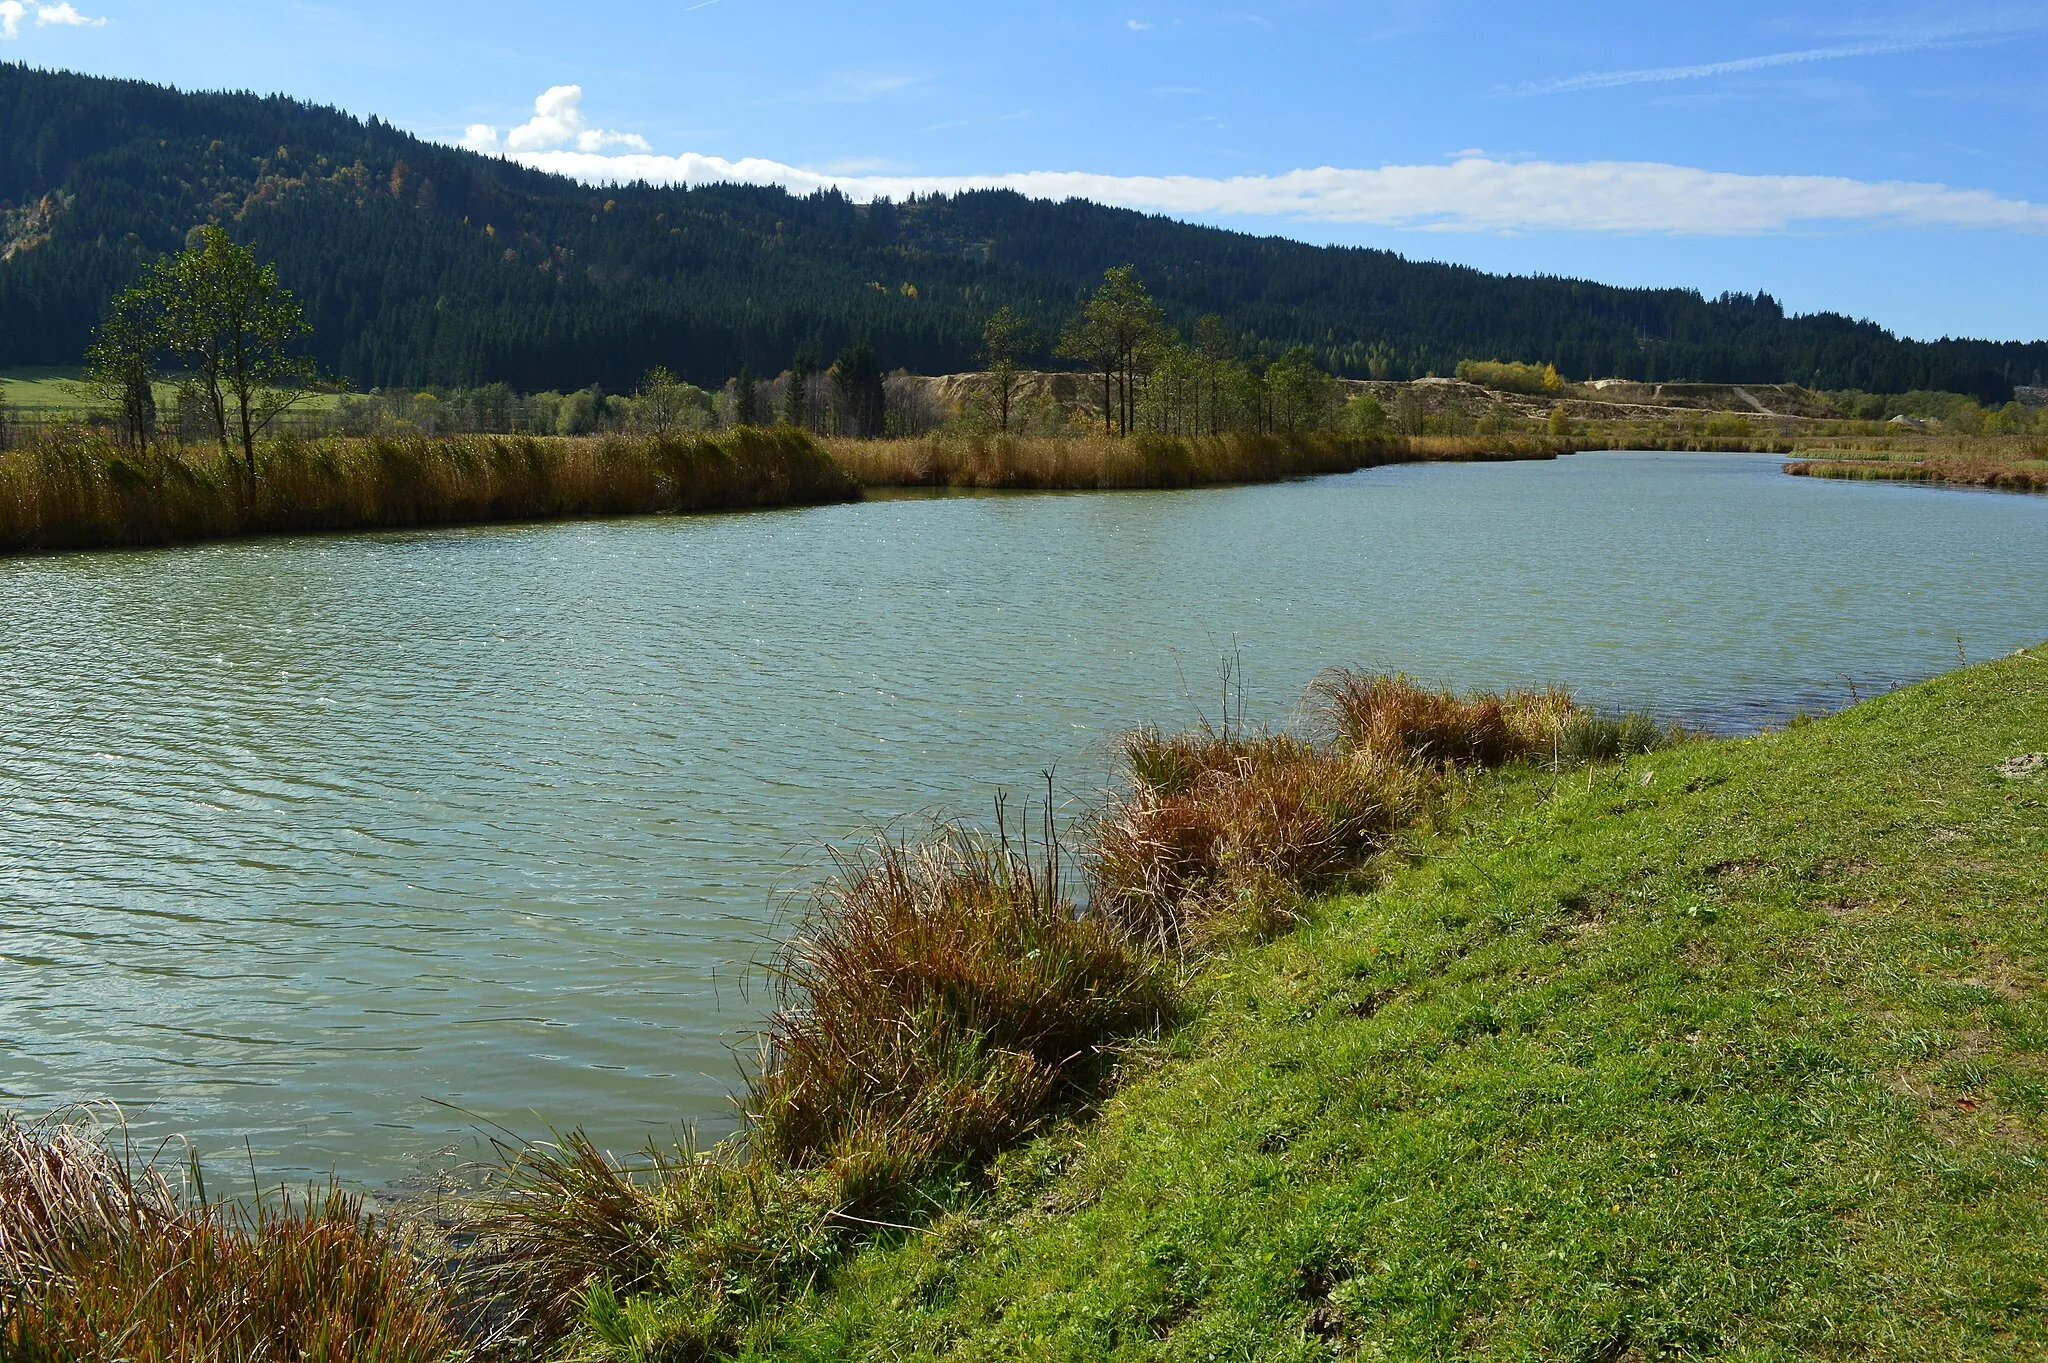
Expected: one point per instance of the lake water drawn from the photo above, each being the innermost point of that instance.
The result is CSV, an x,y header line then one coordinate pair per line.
x,y
301,840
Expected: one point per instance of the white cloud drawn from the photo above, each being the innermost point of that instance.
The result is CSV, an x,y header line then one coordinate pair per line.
x,y
1470,193
66,16
557,125
1138,26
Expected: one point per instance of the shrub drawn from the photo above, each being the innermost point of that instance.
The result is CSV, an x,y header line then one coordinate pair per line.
x,y
1511,378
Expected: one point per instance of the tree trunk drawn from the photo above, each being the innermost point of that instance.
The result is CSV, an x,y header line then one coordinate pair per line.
x,y
219,406
248,440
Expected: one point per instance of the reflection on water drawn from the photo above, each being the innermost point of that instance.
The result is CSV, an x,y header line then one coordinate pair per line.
x,y
301,839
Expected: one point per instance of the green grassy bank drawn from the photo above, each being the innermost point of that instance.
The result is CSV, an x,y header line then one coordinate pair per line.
x,y
1738,1049
78,490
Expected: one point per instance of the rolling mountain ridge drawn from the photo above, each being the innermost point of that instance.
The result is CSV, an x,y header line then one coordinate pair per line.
x,y
425,264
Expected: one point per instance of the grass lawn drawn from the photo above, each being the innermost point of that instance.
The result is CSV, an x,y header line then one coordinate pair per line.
x,y
1739,1049
41,390
45,391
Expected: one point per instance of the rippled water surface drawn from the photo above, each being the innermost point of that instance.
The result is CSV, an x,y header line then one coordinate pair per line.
x,y
302,839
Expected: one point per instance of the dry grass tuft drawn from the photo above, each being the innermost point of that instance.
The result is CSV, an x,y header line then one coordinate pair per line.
x,y
101,1256
1224,831
1100,462
939,997
1392,716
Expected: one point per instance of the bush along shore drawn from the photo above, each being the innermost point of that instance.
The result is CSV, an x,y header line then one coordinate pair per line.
x,y
70,490
1433,1024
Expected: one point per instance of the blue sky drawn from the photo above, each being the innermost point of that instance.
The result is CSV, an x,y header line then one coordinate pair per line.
x,y
1880,159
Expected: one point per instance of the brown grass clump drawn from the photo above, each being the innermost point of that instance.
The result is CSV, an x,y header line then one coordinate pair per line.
x,y
102,1257
1100,462
77,490
2025,471
1226,830
1401,721
937,1000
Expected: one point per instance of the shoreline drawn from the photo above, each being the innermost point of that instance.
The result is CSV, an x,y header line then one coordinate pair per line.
x,y
1757,827
84,493
1931,472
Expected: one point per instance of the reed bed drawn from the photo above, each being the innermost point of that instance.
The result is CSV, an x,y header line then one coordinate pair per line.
x,y
77,490
2027,474
1098,463
105,1255
1621,436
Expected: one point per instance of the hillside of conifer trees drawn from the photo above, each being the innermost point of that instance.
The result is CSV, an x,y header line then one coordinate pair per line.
x,y
422,264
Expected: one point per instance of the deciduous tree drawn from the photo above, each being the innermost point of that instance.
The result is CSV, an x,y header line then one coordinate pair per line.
x,y
663,401
122,363
1005,338
233,329
1298,390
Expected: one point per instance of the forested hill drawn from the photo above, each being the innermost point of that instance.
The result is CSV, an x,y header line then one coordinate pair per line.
x,y
422,264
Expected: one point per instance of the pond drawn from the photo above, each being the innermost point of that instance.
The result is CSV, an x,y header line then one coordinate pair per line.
x,y
333,852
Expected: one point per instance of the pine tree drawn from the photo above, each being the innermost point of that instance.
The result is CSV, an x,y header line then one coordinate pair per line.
x,y
745,400
796,398
862,399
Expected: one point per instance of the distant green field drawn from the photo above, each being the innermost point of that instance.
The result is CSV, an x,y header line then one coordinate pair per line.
x,y
47,391
42,390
